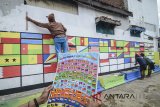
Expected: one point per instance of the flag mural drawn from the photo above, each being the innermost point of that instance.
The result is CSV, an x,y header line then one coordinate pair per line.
x,y
32,55
75,79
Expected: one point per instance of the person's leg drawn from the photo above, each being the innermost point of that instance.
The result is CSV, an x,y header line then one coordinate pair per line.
x,y
57,45
65,45
149,71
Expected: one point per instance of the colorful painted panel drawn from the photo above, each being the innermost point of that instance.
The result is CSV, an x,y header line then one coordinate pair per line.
x,y
103,49
32,59
48,39
93,49
49,58
72,49
93,41
8,60
9,48
9,37
82,49
10,71
75,80
48,49
103,42
50,68
31,49
81,41
71,41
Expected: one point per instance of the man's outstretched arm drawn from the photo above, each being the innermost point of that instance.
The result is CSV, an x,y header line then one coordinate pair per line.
x,y
44,25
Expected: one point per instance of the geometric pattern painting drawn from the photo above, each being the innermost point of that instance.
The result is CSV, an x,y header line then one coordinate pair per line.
x,y
31,57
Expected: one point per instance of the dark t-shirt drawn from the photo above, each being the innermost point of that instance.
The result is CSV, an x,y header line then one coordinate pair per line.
x,y
141,61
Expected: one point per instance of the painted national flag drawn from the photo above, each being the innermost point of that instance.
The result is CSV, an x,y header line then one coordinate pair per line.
x,y
132,49
104,62
31,41
72,49
82,49
93,49
126,49
81,41
103,49
7,60
112,43
112,49
126,54
137,44
137,49
48,49
103,55
31,35
132,54
93,42
31,49
119,49
10,71
142,49
31,59
127,60
141,44
119,43
48,39
126,44
132,44
49,58
120,55
103,42
32,69
71,41
9,37
112,55
50,68
9,48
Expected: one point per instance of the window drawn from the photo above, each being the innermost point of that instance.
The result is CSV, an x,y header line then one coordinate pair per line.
x,y
105,28
59,5
135,33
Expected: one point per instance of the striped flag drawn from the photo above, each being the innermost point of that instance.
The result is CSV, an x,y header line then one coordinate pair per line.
x,y
10,71
49,58
31,35
9,48
82,48
31,41
112,55
6,60
9,37
50,68
81,41
71,41
31,59
104,62
126,54
47,49
103,49
93,49
112,43
72,49
31,49
119,43
120,55
112,49
48,39
93,42
119,49
126,44
103,42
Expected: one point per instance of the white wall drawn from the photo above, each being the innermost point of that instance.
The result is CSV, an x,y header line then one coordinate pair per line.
x,y
82,24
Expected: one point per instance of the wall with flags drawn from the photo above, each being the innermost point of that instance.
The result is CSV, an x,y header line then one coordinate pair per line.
x,y
28,59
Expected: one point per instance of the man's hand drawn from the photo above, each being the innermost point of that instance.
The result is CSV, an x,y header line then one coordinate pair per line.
x,y
44,96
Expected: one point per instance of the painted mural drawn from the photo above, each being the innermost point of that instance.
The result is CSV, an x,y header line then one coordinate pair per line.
x,y
29,58
75,80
